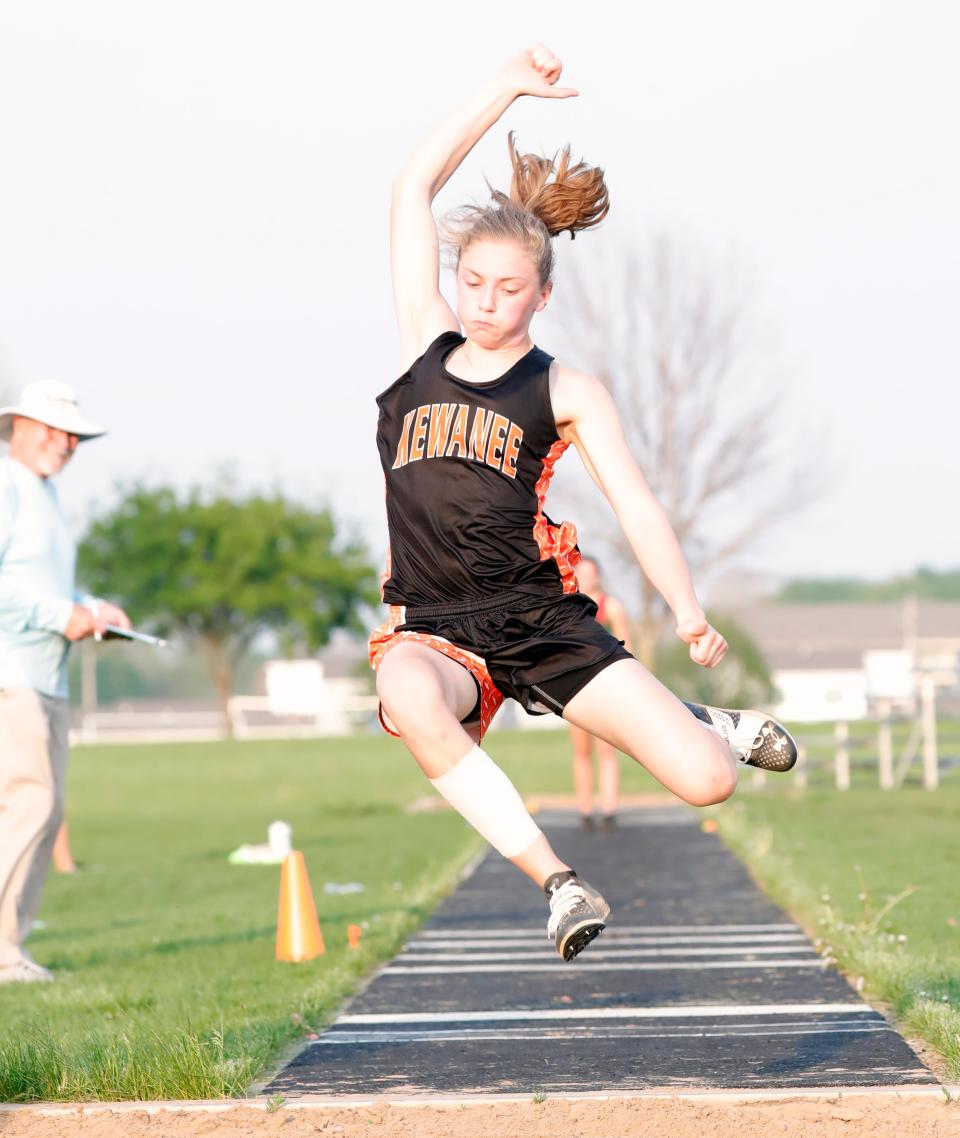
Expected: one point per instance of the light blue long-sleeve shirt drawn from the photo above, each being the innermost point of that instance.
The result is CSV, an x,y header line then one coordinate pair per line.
x,y
37,562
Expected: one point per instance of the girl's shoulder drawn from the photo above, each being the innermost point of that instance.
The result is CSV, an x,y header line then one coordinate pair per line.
x,y
573,391
438,348
433,355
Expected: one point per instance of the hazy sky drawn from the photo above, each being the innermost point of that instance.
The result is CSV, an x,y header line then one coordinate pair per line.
x,y
193,213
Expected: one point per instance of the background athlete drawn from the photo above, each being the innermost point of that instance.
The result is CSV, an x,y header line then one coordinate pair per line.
x,y
480,583
613,616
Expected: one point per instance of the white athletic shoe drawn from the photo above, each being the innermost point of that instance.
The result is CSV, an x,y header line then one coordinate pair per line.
x,y
578,915
25,971
754,737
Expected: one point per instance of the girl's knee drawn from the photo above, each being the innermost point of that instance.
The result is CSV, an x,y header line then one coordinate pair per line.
x,y
701,772
715,783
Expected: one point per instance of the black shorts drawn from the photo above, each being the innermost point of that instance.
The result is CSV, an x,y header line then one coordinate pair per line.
x,y
538,650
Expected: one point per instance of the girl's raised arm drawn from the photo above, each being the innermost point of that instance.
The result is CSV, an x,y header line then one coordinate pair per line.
x,y
586,416
422,313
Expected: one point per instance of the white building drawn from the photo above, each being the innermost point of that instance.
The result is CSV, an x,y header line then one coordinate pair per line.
x,y
839,661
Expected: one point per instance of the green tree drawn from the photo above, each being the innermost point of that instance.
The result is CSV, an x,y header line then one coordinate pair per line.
x,y
220,571
924,583
743,680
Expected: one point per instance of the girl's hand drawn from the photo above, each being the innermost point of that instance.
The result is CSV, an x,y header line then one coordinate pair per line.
x,y
707,646
535,72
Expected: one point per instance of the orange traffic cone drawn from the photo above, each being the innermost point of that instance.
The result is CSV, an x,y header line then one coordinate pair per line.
x,y
298,929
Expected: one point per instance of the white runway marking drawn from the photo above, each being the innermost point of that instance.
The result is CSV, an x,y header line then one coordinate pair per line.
x,y
615,934
341,1038
513,932
612,953
617,966
662,1011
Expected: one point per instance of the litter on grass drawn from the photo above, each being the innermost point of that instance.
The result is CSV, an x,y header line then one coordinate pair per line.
x,y
272,852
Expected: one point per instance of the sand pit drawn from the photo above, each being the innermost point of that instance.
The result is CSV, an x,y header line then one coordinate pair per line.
x,y
875,1115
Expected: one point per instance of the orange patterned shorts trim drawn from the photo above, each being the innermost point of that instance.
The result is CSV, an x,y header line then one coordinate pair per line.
x,y
386,636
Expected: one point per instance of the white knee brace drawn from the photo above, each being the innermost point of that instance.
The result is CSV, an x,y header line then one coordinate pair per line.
x,y
479,790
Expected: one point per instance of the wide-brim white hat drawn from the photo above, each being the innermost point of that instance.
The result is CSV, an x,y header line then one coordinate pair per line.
x,y
48,401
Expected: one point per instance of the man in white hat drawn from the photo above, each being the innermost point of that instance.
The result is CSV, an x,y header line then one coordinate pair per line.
x,y
40,615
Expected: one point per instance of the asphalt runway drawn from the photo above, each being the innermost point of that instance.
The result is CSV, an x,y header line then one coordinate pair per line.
x,y
698,983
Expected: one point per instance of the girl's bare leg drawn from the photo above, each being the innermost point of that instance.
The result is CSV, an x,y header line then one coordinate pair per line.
x,y
582,770
539,862
62,857
630,709
425,695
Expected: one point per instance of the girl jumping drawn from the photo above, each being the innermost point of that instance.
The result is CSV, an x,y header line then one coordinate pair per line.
x,y
482,594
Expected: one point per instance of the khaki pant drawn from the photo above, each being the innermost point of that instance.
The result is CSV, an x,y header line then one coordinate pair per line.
x,y
33,770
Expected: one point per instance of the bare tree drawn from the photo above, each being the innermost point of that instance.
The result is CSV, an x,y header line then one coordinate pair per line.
x,y
702,410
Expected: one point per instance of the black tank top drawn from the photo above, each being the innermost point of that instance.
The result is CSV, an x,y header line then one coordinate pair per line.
x,y
467,467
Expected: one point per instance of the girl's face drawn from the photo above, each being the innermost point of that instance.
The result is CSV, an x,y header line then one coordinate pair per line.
x,y
587,576
498,291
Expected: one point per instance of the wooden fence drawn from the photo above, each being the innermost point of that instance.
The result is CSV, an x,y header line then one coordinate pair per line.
x,y
887,744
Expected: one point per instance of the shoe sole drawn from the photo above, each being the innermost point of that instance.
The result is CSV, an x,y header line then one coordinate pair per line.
x,y
579,937
766,757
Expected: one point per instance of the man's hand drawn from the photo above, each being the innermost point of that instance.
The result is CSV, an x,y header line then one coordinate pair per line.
x,y
83,623
92,621
707,646
111,614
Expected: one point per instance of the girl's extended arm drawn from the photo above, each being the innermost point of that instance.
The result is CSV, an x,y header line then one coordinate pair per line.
x,y
422,313
587,417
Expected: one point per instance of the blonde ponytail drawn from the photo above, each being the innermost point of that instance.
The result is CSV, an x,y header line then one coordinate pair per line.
x,y
547,197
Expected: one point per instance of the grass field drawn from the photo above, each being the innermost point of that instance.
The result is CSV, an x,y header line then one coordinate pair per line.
x,y
167,985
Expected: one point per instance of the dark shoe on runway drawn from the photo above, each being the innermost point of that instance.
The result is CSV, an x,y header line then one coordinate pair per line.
x,y
578,913
608,824
586,823
755,738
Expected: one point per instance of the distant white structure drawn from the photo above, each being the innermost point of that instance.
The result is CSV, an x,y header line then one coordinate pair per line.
x,y
296,687
319,696
813,695
890,675
849,661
